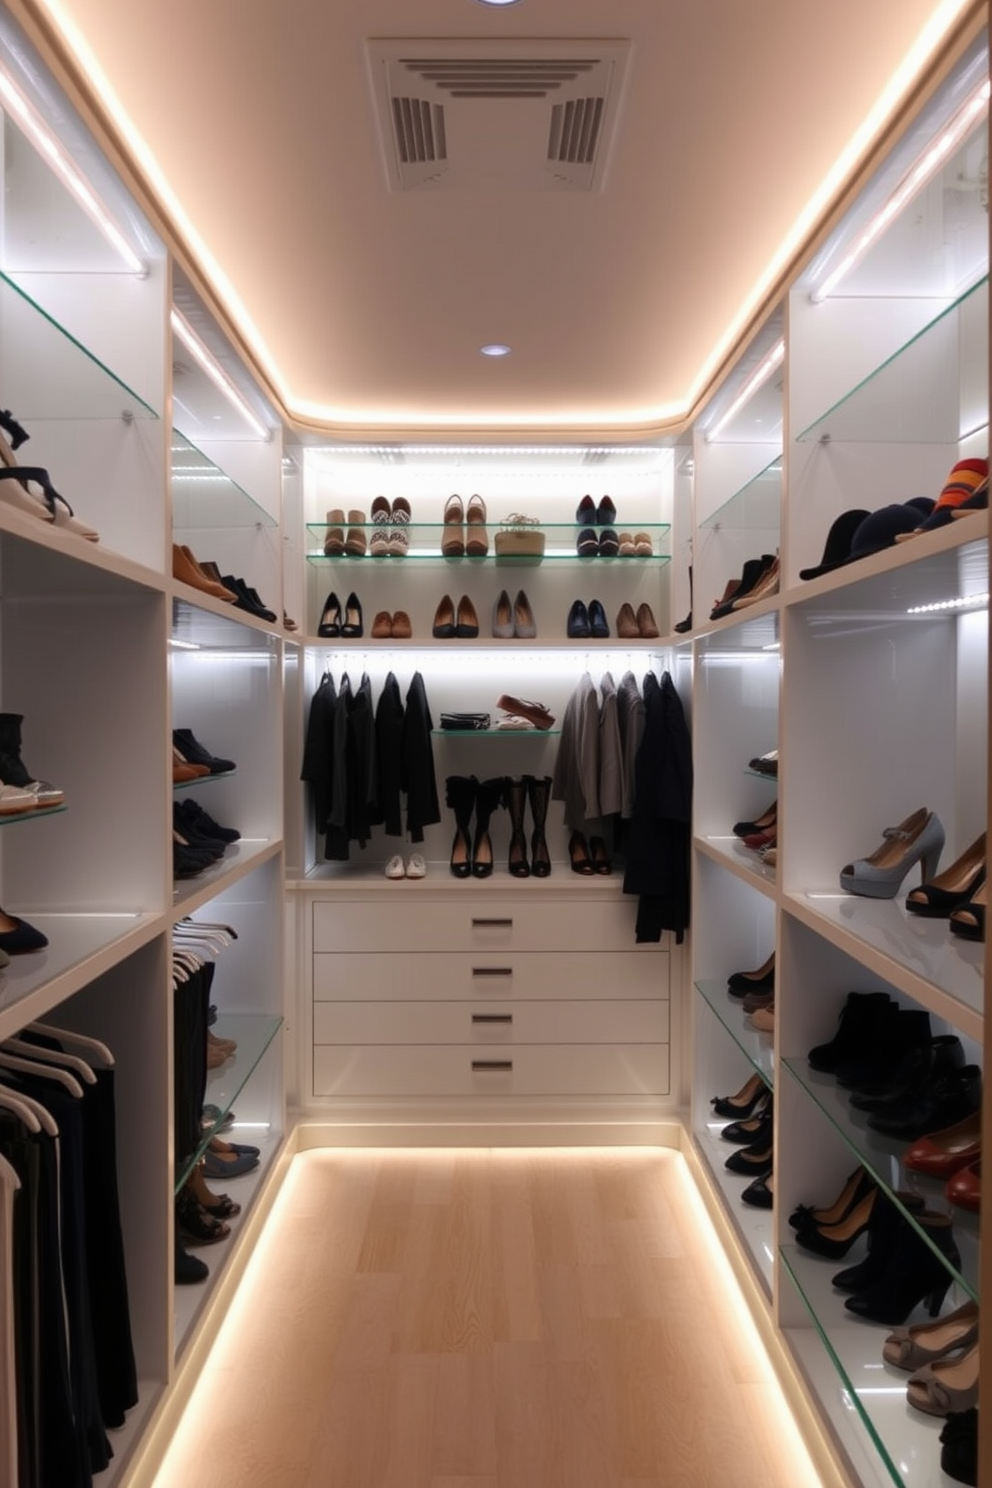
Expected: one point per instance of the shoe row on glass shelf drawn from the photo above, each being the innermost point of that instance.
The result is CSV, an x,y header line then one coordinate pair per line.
x,y
198,841
21,796
204,575
511,620
464,532
857,534
16,481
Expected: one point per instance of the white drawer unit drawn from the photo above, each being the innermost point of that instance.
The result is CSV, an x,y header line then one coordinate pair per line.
x,y
615,1022
472,922
439,976
573,1070
490,995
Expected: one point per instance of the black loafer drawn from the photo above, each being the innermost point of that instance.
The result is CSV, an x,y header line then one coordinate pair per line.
x,y
587,543
609,543
599,627
578,622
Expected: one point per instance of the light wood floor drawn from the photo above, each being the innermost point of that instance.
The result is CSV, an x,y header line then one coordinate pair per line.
x,y
493,1319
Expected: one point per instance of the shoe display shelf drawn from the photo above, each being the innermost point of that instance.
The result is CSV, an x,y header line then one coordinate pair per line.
x,y
247,1089
543,482
82,660
877,701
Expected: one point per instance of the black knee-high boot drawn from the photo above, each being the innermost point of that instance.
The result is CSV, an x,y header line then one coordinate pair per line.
x,y
488,798
539,794
460,793
516,800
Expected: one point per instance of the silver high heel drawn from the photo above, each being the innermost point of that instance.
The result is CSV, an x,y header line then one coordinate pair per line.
x,y
920,838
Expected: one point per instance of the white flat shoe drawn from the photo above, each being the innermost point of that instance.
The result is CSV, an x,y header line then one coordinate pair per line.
x,y
394,868
416,867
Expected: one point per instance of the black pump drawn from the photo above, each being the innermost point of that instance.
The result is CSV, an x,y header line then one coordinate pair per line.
x,y
460,792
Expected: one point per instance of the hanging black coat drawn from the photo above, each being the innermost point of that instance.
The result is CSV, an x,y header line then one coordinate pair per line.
x,y
657,842
417,778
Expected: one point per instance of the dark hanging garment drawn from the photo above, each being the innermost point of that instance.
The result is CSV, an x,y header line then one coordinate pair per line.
x,y
657,840
318,750
417,763
389,717
336,848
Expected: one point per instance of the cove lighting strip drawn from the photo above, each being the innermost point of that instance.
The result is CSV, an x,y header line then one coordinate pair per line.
x,y
30,121
747,392
928,164
206,362
975,600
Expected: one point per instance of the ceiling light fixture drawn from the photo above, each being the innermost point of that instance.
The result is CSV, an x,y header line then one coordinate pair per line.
x,y
30,121
498,2
495,349
206,362
915,179
747,392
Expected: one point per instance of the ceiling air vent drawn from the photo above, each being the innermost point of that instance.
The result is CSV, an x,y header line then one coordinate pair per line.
x,y
476,116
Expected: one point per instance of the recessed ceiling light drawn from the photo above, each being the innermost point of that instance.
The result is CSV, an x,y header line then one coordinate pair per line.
x,y
497,2
495,349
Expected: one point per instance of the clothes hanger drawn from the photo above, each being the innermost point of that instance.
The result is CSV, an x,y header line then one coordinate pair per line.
x,y
43,1071
95,1051
70,1062
26,1112
8,1178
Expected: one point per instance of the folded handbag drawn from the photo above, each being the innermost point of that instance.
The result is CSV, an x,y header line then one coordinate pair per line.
x,y
519,537
465,721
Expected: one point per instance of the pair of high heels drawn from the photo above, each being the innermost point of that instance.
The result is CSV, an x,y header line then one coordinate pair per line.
x,y
50,506
513,621
589,857
464,528
959,894
918,839
450,623
346,624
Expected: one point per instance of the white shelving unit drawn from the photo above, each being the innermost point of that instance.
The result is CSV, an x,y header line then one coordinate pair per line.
x,y
103,653
871,681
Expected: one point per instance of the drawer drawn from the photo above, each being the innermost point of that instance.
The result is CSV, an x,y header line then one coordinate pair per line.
x,y
453,1070
491,1022
458,976
474,923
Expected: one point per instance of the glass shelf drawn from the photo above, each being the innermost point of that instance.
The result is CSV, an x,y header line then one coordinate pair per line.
x,y
205,496
756,506
253,1033
907,398
61,379
494,733
33,814
758,1048
658,560
859,1381
754,1226
178,785
882,1156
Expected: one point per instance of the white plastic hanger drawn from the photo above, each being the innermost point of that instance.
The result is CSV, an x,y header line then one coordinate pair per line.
x,y
43,1071
95,1051
8,1177
51,1056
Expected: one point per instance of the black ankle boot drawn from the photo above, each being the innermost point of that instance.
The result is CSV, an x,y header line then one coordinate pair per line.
x,y
488,798
460,792
859,1020
539,794
902,1029
516,800
883,1233
914,1273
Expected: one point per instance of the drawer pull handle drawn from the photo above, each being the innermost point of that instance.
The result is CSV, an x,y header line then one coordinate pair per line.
x,y
484,924
492,1064
492,971
492,1017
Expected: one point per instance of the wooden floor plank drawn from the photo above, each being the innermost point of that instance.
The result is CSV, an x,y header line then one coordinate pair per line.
x,y
488,1319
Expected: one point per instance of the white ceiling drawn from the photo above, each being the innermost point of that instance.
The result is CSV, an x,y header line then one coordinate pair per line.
x,y
254,125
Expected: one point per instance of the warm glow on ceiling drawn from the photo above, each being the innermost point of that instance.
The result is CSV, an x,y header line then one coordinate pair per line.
x,y
642,300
